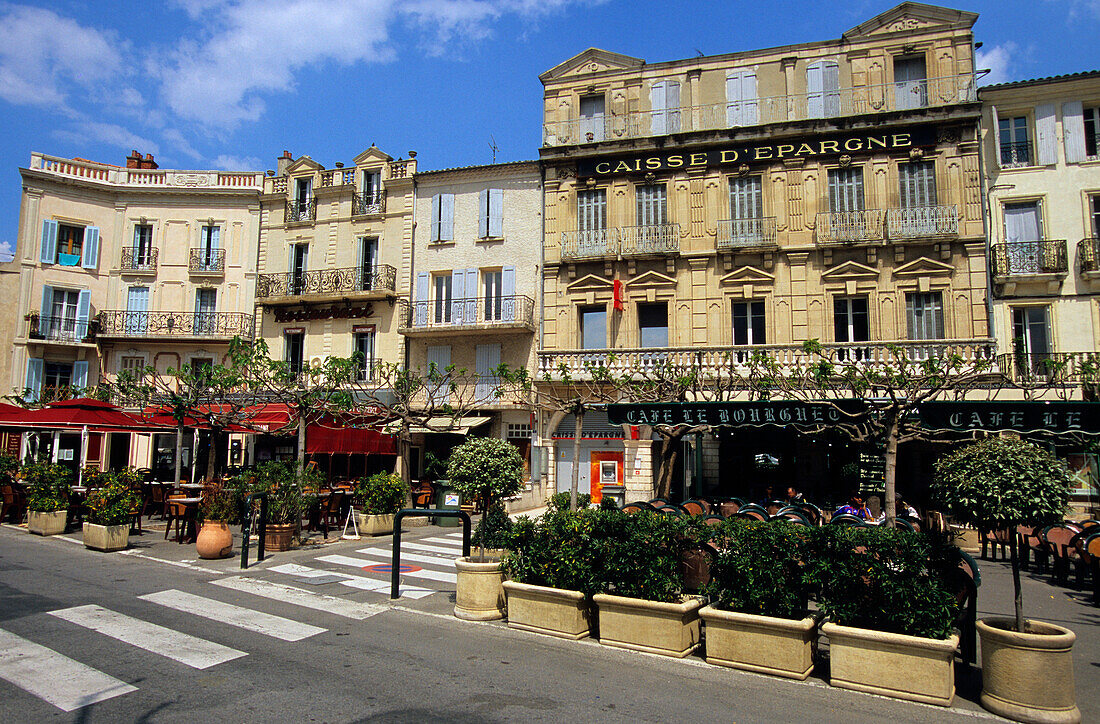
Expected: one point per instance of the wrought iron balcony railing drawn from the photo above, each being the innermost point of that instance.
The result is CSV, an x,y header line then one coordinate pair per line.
x,y
1051,366
122,323
380,278
1029,258
651,239
61,329
589,244
922,222
300,211
370,204
754,233
510,311
1015,155
860,101
1088,255
138,259
847,227
206,261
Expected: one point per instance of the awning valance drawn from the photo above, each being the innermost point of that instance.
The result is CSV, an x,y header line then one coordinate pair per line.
x,y
348,440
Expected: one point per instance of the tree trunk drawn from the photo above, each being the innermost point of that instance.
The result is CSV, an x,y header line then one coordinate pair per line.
x,y
666,466
301,441
891,472
212,454
573,485
179,454
404,451
1019,597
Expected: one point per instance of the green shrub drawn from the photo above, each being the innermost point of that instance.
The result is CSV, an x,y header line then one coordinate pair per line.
x,y
9,466
560,501
881,579
638,555
557,550
493,529
115,501
759,568
382,494
485,470
290,489
47,486
221,504
607,503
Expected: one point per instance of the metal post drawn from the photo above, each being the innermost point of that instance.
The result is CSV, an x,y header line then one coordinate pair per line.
x,y
246,524
395,560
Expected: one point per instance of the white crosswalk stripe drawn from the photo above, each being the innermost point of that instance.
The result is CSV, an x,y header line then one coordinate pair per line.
x,y
359,582
452,553
53,677
299,597
246,618
190,650
384,556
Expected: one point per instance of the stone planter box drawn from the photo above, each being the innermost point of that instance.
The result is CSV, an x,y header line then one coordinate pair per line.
x,y
106,538
479,590
669,629
764,644
552,611
904,667
374,524
1028,676
48,522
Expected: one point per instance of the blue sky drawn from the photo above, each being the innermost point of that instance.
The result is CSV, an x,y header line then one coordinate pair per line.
x,y
229,84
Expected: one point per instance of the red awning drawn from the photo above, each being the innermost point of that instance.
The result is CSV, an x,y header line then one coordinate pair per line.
x,y
82,412
348,440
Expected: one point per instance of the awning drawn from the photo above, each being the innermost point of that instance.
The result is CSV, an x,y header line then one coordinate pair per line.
x,y
447,425
79,413
348,440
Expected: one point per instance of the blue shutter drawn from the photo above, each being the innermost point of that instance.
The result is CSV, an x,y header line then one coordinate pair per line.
x,y
33,381
48,253
215,232
447,217
657,107
423,281
483,214
47,302
458,295
508,291
815,103
91,247
83,310
79,379
471,296
496,213
437,203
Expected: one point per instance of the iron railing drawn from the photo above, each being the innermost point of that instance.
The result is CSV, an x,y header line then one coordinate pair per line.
x,y
752,233
514,310
138,259
382,277
370,204
922,222
206,261
589,244
650,239
1026,258
846,227
1051,366
61,329
1017,154
1088,255
300,211
122,323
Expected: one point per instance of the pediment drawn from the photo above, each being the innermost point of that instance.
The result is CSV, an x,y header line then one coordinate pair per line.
x,y
910,16
590,283
650,279
850,270
305,163
747,275
372,154
924,267
593,60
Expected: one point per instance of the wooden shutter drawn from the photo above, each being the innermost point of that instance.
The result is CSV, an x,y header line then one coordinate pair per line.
x,y
672,107
496,213
470,302
1045,135
440,357
830,79
508,291
741,101
488,361
437,205
91,247
48,251
1073,131
83,310
447,217
79,379
33,381
815,100
657,107
423,281
483,213
458,295
45,314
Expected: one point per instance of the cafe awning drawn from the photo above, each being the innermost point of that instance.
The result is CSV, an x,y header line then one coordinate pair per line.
x,y
448,425
79,413
348,440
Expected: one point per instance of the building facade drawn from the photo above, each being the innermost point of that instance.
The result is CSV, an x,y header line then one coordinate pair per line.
x,y
703,209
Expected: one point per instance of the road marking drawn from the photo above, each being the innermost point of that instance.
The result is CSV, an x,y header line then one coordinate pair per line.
x,y
246,618
190,650
357,582
425,573
301,597
452,552
444,541
54,678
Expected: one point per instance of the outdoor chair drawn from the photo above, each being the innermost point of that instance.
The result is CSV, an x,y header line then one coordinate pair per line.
x,y
848,520
992,540
695,507
749,514
1092,554
903,524
729,507
774,506
1081,558
811,511
633,508
791,514
1057,539
1028,543
713,520
914,523
331,510
695,566
658,501
671,510
14,505
177,513
964,582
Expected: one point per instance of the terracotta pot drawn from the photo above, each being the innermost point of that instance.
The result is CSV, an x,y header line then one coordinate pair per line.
x,y
479,593
670,629
1028,676
106,538
552,611
215,540
279,537
765,644
374,524
47,522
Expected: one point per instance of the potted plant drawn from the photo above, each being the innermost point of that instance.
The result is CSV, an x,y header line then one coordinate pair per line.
x,y
757,619
109,510
379,498
219,509
484,470
47,497
641,605
890,612
552,573
997,483
286,485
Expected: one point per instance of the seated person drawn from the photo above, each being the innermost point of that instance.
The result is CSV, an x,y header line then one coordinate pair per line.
x,y
901,510
793,496
854,507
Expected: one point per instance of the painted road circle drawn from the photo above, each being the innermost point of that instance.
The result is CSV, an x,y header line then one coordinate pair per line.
x,y
386,568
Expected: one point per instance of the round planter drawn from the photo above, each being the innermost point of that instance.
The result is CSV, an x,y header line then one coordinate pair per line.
x,y
764,644
479,593
215,540
552,611
1028,676
669,629
279,537
374,524
51,522
106,538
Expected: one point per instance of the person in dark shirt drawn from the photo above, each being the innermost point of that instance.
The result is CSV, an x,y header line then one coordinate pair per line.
x,y
793,496
854,507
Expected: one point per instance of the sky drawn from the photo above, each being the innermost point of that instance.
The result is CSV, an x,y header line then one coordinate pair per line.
x,y
230,84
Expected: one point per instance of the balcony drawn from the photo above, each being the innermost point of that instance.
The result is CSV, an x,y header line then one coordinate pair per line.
x,y
1029,260
845,102
188,325
362,282
589,244
746,234
1051,367
463,316
1017,155
851,227
916,223
299,211
138,260
372,204
1088,256
206,262
106,174
627,241
66,329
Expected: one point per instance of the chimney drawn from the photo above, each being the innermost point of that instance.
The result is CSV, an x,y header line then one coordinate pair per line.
x,y
282,163
149,163
133,160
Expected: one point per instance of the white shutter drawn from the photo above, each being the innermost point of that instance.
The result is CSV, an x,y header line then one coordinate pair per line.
x,y
996,136
741,101
447,217
439,357
496,213
508,291
83,310
749,113
815,100
48,252
1045,135
830,81
672,107
215,232
470,315
483,213
33,381
423,281
488,361
1073,132
657,107
91,247
79,379
733,98
437,205
458,295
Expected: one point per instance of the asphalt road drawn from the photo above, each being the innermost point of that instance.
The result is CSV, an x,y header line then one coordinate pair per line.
x,y
90,637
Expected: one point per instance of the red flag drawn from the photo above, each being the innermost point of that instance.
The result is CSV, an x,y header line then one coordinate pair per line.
x,y
617,290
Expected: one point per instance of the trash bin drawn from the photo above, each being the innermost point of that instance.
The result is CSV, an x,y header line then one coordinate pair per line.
x,y
446,498
614,492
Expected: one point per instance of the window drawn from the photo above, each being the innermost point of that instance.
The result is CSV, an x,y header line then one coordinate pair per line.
x,y
201,368
443,299
591,116
70,242
653,325
303,190
372,187
293,350
1094,201
208,260
741,101
1023,221
917,184
592,209
746,199
490,217
143,246
1015,148
206,316
364,347
297,266
137,311
910,82
822,89
1031,339
368,260
69,245
651,205
443,217
845,189
924,312
488,362
1091,118
748,323
132,366
664,102
437,382
850,324
493,282
57,376
593,327
65,314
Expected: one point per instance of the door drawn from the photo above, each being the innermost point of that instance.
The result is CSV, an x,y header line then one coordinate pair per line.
x,y
591,112
206,318
606,469
137,310
368,259
299,261
910,82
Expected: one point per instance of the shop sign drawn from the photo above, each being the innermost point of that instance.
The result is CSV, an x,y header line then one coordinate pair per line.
x,y
765,412
1022,416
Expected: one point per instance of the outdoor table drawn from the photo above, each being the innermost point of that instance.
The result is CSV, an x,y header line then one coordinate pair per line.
x,y
193,487
314,514
190,518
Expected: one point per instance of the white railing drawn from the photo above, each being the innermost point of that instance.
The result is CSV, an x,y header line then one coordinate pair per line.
x,y
746,233
843,227
922,222
145,178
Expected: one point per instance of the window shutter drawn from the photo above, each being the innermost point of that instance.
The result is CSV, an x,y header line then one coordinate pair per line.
x,y
733,98
290,258
488,361
996,131
1073,131
470,316
496,213
447,220
672,107
47,301
48,253
33,381
657,107
749,114
815,106
83,310
437,205
483,213
80,375
440,357
423,281
91,247
458,295
1045,135
830,80
508,291
215,232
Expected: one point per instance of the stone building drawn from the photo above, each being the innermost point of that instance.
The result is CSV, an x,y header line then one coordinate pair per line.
x,y
699,210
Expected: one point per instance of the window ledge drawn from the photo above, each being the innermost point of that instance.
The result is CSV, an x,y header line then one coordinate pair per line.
x,y
489,239
442,242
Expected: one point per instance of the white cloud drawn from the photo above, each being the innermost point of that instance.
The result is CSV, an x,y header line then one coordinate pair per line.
x,y
108,133
1000,60
7,253
237,163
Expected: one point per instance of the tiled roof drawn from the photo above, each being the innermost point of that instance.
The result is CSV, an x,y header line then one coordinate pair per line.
x,y
1040,81
487,166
